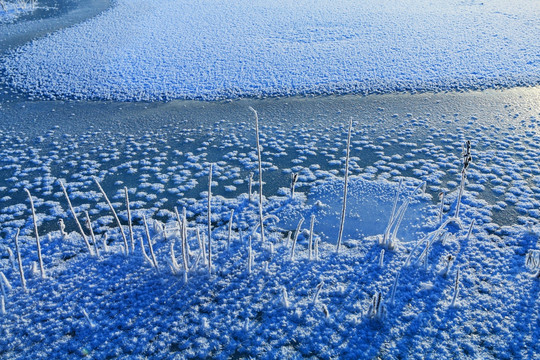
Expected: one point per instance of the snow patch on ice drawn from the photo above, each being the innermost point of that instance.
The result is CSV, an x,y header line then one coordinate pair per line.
x,y
164,49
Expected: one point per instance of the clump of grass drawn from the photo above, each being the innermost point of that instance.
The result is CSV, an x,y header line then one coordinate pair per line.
x,y
389,239
175,268
104,240
202,244
143,251
386,235
394,287
11,258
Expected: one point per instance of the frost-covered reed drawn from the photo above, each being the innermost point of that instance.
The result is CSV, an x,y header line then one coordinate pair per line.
x,y
467,159
344,206
259,161
317,292
5,286
310,242
377,310
62,227
126,248
19,260
130,223
148,237
250,256
389,239
532,261
76,219
182,225
230,230
456,289
40,259
386,235
89,226
294,180
284,298
210,220
296,237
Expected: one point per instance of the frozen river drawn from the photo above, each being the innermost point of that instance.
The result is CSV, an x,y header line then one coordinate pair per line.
x,y
443,290
161,149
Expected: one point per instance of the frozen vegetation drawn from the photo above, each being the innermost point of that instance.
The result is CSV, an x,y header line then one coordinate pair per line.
x,y
463,289
208,49
391,226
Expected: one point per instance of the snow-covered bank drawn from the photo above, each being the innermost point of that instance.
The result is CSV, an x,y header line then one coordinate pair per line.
x,y
273,299
163,49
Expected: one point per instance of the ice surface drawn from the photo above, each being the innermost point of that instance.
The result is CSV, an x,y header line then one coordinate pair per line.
x,y
163,49
115,306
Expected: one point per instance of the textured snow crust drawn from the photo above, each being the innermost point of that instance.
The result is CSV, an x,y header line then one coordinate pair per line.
x,y
164,49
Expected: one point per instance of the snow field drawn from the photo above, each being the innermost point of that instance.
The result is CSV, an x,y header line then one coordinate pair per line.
x,y
10,10
166,49
121,306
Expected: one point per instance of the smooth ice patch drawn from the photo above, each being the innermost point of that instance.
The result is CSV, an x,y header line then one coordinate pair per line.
x,y
368,210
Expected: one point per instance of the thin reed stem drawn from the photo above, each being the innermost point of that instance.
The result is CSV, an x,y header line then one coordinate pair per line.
x,y
40,259
260,173
344,208
19,260
126,248
76,219
210,221
130,223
